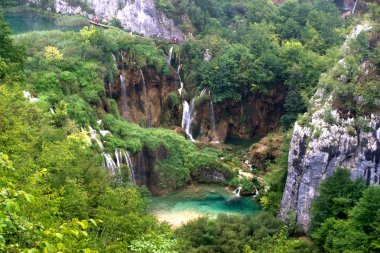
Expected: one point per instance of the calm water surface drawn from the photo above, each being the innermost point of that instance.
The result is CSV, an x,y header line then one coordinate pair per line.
x,y
203,200
27,23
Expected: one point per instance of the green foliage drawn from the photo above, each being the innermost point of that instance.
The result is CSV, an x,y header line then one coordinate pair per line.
x,y
345,211
259,233
338,194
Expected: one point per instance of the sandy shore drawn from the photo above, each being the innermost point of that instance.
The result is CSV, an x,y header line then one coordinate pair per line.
x,y
177,219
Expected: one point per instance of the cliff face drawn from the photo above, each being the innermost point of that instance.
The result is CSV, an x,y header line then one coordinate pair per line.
x,y
144,97
139,16
330,137
255,115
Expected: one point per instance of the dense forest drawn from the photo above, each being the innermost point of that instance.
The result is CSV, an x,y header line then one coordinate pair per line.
x,y
57,112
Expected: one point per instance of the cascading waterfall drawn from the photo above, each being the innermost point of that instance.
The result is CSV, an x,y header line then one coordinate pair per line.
x,y
170,56
145,98
213,129
122,158
130,166
188,117
110,89
124,95
94,136
110,164
237,191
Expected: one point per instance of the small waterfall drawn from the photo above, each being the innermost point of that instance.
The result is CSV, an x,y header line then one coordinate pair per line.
x,y
94,136
52,110
145,98
213,129
188,117
110,89
378,134
124,95
179,77
110,164
130,166
170,56
122,57
237,191
354,9
114,60
122,158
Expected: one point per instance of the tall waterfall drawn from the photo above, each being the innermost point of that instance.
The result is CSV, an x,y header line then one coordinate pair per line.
x,y
213,130
145,98
179,77
170,56
188,117
110,89
124,95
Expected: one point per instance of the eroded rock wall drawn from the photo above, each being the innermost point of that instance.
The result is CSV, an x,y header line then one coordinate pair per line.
x,y
255,115
331,137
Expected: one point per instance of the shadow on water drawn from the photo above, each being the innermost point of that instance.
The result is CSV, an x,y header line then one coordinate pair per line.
x,y
27,23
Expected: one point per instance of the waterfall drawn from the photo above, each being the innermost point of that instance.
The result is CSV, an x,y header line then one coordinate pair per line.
x,y
110,164
213,129
114,61
122,158
378,134
52,110
122,57
237,191
353,9
124,95
188,117
94,136
110,89
179,76
145,98
130,166
170,56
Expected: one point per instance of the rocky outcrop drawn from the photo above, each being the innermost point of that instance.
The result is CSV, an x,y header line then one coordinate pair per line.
x,y
139,16
255,115
267,149
329,137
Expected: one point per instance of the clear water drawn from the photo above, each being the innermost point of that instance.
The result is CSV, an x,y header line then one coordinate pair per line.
x,y
27,23
206,199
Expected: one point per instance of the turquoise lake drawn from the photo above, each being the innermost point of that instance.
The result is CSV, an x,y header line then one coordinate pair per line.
x,y
27,23
198,201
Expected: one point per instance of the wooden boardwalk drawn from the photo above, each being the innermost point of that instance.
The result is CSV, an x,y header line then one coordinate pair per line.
x,y
100,24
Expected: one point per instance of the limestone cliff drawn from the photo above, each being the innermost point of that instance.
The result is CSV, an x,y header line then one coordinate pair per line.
x,y
328,137
139,16
144,99
255,115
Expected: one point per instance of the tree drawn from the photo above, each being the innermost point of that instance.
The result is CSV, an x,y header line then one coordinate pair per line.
x,y
338,194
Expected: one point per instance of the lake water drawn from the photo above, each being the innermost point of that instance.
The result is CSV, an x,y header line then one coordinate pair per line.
x,y
198,201
27,23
